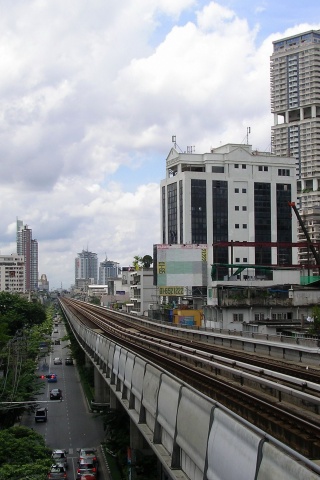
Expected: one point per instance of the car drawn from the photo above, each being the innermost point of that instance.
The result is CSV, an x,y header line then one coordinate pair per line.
x,y
52,378
88,453
41,415
87,467
59,457
55,330
57,472
57,342
57,361
56,394
68,361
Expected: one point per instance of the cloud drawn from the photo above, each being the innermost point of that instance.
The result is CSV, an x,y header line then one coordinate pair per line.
x,y
90,95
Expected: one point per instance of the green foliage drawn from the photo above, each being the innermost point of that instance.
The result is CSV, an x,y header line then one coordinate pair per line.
x,y
142,262
23,454
19,354
94,300
17,313
315,326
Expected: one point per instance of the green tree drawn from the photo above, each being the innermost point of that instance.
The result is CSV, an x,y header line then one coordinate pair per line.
x,y
23,454
315,325
142,262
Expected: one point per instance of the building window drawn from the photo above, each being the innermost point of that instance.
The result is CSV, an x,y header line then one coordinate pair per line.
x,y
236,165
236,225
260,168
236,207
244,190
245,260
244,166
244,225
284,172
198,211
244,208
217,169
236,190
237,260
238,317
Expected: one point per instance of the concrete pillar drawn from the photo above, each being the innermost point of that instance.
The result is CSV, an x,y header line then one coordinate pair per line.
x,y
101,388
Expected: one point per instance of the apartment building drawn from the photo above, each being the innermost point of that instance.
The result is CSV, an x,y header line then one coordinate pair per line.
x,y
12,273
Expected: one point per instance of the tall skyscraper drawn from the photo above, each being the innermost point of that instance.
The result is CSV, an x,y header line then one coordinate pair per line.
x,y
86,267
295,103
28,247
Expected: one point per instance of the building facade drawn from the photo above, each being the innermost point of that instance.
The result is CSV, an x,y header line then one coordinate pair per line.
x,y
295,104
233,205
86,267
231,193
108,270
12,273
28,247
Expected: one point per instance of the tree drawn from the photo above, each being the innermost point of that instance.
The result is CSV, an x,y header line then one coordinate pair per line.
x,y
142,262
23,454
315,325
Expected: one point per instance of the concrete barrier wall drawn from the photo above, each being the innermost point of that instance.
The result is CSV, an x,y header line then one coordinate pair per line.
x,y
194,437
229,439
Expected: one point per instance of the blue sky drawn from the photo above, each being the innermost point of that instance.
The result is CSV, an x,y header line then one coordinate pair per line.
x,y
91,94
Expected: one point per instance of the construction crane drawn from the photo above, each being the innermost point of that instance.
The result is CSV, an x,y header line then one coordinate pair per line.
x,y
310,244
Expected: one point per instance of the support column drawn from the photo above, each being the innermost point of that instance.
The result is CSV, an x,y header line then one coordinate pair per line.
x,y
101,388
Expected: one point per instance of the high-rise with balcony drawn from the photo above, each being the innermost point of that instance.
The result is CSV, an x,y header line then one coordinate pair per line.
x,y
86,267
28,247
295,103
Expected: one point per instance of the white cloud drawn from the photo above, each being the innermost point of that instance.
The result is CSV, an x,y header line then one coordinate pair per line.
x,y
90,94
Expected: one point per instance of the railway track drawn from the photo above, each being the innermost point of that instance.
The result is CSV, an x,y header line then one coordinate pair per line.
x,y
281,401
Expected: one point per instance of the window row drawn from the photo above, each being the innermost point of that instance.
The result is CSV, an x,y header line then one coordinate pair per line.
x,y
237,208
244,225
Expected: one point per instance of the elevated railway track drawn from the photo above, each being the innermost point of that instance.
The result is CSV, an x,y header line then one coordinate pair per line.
x,y
279,397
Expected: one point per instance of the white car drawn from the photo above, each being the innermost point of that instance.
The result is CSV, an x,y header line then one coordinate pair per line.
x,y
60,457
57,361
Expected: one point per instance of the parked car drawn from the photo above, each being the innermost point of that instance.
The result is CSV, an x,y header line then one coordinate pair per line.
x,y
57,342
41,415
56,394
52,378
87,467
68,361
57,472
60,458
55,330
88,453
57,361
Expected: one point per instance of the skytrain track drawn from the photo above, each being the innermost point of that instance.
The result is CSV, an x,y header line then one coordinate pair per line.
x,y
282,400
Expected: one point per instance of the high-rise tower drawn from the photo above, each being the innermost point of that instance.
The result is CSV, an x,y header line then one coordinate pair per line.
x,y
86,266
28,247
295,103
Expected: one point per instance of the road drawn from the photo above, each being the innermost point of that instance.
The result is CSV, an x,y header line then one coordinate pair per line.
x,y
70,424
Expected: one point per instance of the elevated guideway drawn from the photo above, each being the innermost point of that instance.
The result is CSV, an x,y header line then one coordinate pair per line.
x,y
193,436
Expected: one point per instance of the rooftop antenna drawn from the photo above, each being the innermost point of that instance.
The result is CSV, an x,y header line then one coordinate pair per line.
x,y
174,141
248,131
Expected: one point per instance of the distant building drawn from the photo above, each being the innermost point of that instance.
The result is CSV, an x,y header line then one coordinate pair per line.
x,y
86,267
28,247
143,292
43,283
12,273
107,270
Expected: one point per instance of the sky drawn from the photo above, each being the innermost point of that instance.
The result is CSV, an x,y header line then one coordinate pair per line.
x,y
91,94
